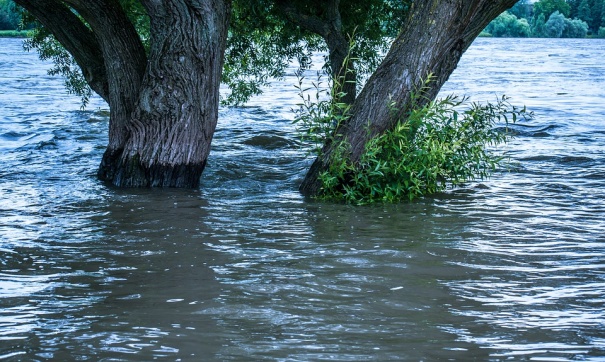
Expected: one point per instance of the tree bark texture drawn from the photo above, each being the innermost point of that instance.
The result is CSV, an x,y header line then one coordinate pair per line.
x,y
173,122
433,39
125,63
163,106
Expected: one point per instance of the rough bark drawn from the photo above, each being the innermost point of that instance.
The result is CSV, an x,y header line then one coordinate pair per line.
x,y
172,125
435,35
164,107
125,65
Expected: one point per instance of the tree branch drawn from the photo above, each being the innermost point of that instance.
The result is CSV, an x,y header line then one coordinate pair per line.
x,y
309,22
79,41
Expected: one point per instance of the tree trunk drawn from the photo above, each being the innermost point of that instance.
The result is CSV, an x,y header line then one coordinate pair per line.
x,y
329,27
434,37
125,64
171,128
163,107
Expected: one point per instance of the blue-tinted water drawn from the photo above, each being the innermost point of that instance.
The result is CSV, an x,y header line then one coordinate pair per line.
x,y
247,269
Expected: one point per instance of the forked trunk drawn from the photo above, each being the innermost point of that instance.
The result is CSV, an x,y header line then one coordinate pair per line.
x,y
169,132
164,107
435,36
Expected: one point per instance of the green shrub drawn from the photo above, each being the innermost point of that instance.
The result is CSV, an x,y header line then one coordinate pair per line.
x,y
435,146
14,33
574,29
445,143
508,25
601,33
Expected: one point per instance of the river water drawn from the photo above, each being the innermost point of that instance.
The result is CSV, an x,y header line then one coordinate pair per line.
x,y
245,269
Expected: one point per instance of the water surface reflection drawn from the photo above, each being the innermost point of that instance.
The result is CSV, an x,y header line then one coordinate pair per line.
x,y
247,269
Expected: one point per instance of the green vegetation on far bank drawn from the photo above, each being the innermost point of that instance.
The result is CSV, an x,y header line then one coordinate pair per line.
x,y
9,15
551,19
14,33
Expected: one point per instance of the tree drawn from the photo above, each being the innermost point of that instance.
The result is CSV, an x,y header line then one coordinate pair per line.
x,y
585,12
9,17
508,25
597,14
602,16
521,9
574,29
538,27
267,35
547,7
431,42
164,104
555,25
590,11
573,8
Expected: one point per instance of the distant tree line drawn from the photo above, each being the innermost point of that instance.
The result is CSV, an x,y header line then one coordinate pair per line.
x,y
9,16
551,19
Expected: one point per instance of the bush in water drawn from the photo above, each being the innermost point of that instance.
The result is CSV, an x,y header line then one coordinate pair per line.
x,y
431,147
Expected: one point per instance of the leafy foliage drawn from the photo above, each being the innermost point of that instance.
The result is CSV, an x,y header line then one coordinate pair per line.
x,y
544,24
444,143
9,15
49,48
574,28
522,9
260,47
64,65
547,7
508,25
555,25
538,27
590,11
319,116
584,11
263,42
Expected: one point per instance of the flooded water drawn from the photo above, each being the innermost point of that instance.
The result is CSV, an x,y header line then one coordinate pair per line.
x,y
245,269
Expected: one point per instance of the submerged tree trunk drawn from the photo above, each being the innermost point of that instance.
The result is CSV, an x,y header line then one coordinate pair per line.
x,y
434,37
125,64
163,107
172,125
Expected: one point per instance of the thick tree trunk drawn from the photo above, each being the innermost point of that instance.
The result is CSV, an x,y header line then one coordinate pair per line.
x,y
171,127
125,64
435,36
163,108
